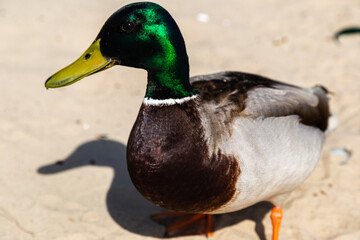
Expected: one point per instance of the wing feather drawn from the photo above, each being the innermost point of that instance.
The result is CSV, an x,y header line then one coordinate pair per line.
x,y
243,94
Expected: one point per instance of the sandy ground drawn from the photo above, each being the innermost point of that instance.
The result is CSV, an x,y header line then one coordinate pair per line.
x,y
89,195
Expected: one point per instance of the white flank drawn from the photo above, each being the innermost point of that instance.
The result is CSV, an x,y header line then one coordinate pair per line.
x,y
275,156
169,101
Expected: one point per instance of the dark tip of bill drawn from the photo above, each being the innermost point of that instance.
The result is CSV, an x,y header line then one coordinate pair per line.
x,y
47,81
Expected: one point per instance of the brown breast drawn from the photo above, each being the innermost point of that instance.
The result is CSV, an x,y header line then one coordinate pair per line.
x,y
169,162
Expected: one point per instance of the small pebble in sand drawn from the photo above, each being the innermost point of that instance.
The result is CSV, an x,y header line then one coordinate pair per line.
x,y
60,162
280,40
86,126
347,153
101,137
203,17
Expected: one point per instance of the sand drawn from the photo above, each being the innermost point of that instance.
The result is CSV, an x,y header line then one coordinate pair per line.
x,y
59,178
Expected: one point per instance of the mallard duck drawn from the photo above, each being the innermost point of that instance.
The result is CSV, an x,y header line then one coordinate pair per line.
x,y
208,144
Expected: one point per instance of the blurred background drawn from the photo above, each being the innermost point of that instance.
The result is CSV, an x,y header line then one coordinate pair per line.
x,y
62,151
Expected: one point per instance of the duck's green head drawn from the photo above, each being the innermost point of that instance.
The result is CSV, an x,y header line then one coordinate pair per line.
x,y
141,35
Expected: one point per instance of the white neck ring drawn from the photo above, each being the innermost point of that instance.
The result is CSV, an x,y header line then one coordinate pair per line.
x,y
169,101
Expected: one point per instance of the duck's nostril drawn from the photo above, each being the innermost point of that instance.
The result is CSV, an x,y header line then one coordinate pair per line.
x,y
87,56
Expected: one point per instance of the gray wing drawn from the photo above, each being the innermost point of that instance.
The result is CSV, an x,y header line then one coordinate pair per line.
x,y
236,93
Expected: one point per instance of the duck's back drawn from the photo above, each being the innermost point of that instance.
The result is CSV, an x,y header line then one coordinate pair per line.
x,y
244,94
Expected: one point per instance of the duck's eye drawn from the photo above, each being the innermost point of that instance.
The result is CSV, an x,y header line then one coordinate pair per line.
x,y
128,27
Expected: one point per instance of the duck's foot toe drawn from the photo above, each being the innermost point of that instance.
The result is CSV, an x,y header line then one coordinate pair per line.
x,y
183,224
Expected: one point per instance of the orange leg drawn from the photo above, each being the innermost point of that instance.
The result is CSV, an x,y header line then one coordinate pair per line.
x,y
180,224
209,231
276,216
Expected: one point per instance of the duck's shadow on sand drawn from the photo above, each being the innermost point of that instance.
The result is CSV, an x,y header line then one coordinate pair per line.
x,y
125,205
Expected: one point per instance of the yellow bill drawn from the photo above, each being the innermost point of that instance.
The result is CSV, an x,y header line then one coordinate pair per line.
x,y
90,62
